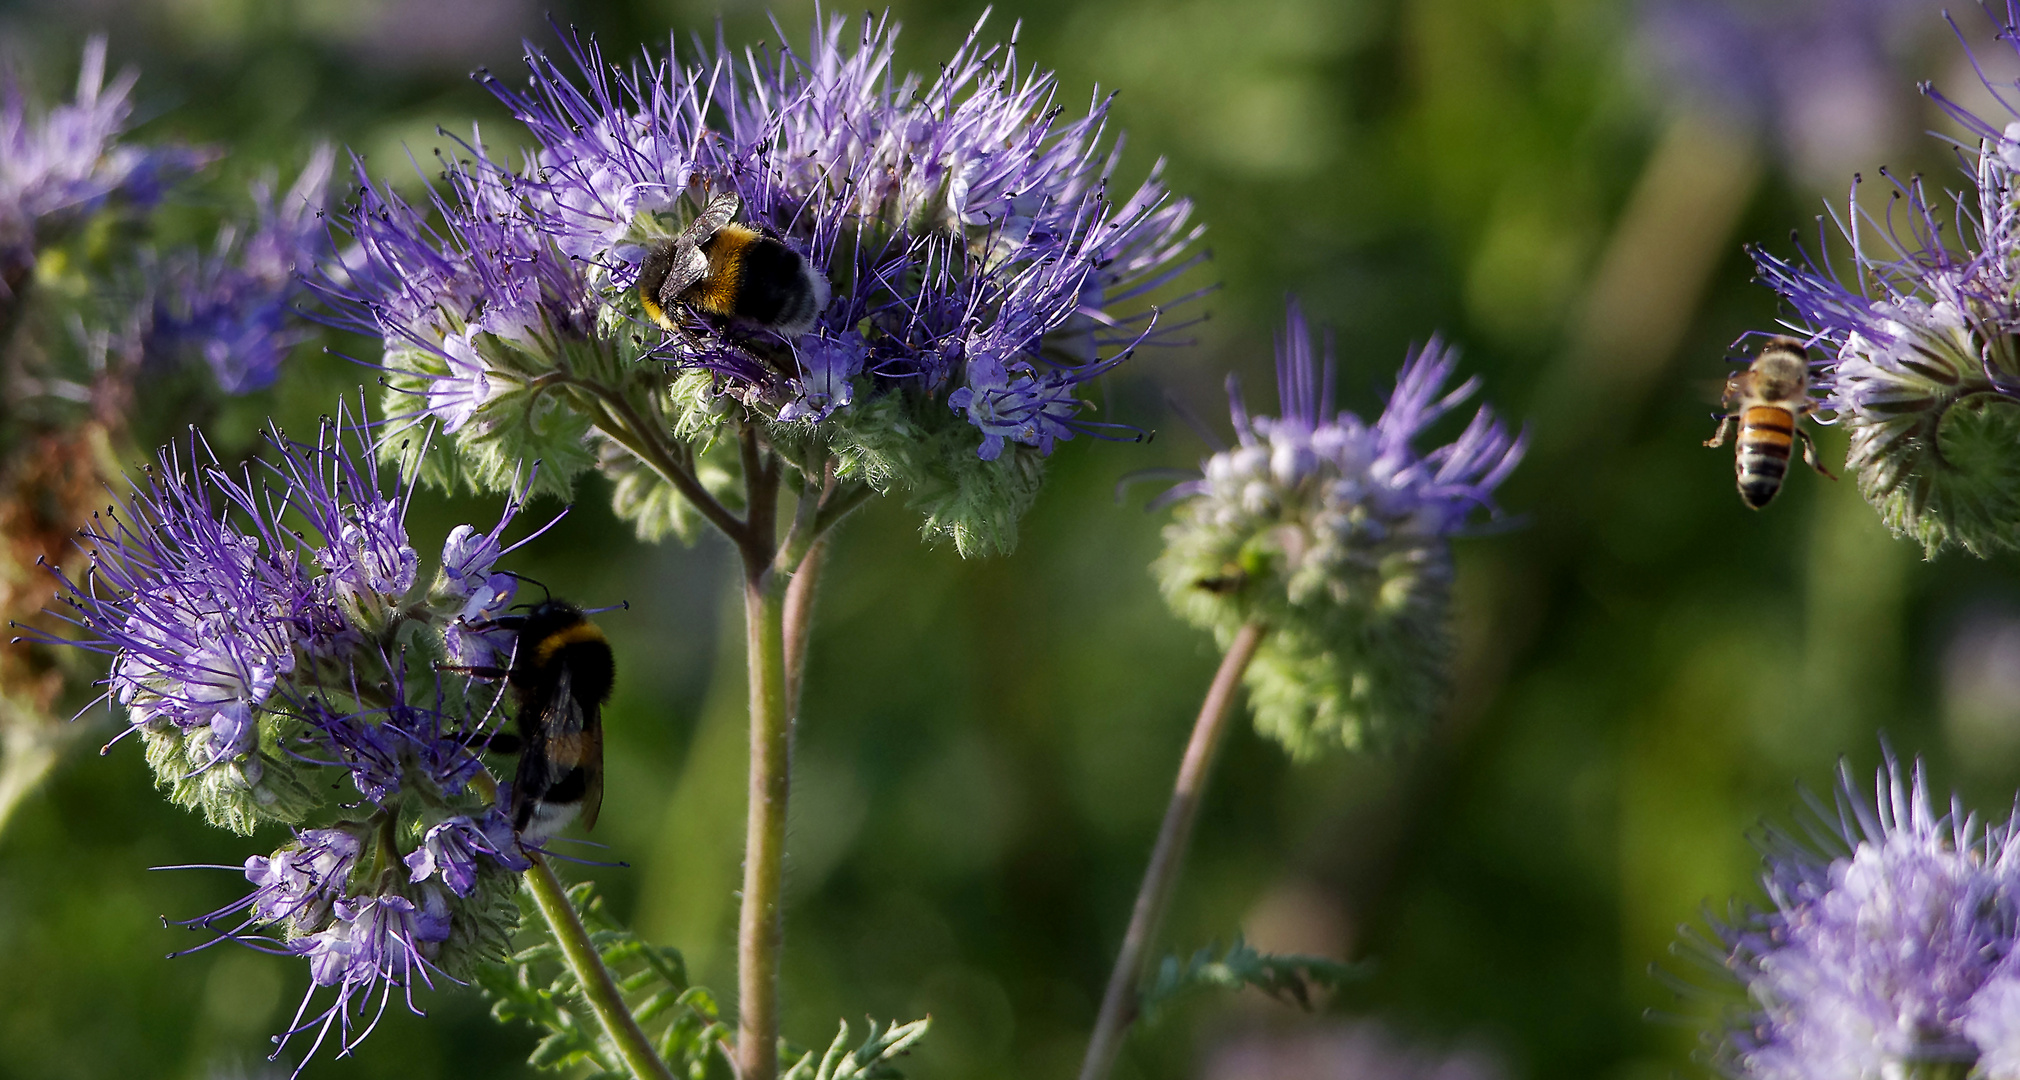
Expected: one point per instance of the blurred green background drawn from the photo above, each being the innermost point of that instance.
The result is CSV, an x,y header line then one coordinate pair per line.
x,y
1647,668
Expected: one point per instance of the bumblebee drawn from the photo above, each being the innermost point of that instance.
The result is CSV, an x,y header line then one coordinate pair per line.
x,y
562,669
729,270
1767,399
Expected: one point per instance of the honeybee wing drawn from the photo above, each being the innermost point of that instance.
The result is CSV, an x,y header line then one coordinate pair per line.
x,y
562,761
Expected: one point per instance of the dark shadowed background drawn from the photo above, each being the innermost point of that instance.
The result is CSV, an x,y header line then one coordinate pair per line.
x,y
1647,668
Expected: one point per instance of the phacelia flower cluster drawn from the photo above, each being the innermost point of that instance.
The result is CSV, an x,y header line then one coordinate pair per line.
x,y
975,271
271,634
1336,535
61,164
1892,956
1925,371
233,308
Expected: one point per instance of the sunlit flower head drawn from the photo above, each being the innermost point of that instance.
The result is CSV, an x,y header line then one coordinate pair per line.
x,y
1920,355
1335,533
1890,953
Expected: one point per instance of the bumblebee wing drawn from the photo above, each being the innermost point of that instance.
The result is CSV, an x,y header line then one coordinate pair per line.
x,y
562,763
719,211
689,266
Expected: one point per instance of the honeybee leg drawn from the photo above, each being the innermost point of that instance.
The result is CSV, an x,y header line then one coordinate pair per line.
x,y
504,742
1810,454
1725,425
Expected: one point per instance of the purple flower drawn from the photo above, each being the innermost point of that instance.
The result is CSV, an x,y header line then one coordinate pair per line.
x,y
1815,76
234,307
374,945
1892,955
450,850
1336,533
1919,357
59,165
964,224
297,885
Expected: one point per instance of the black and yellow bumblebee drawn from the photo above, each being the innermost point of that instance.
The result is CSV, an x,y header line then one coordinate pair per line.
x,y
562,670
729,270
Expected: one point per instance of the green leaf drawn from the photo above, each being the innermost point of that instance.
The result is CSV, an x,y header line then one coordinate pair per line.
x,y
534,986
1284,977
870,1060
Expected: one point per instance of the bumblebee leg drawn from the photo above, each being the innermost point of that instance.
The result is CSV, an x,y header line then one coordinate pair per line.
x,y
475,672
1718,437
1810,454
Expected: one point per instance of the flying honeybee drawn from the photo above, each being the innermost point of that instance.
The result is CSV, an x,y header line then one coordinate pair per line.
x,y
730,270
561,672
1768,399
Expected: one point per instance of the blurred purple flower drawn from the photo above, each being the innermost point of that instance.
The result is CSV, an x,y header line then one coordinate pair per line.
x,y
1817,77
58,165
1892,954
1348,477
234,307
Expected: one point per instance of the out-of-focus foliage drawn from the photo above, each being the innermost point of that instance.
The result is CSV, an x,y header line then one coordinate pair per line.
x,y
1643,670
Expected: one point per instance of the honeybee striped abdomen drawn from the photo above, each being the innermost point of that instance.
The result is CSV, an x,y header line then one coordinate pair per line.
x,y
1766,438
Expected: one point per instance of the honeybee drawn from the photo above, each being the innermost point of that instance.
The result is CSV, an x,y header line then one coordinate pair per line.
x,y
562,669
730,270
1768,399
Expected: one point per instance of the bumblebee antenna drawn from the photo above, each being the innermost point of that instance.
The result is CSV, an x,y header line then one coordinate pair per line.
x,y
547,593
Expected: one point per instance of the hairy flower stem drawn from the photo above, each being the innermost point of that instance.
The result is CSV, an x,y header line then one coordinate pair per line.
x,y
1119,1004
597,985
799,619
759,933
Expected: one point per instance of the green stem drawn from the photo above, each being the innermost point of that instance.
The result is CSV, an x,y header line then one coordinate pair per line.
x,y
1160,879
617,419
597,985
760,931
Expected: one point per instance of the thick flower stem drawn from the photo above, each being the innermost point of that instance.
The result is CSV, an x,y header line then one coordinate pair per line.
x,y
1118,1005
597,986
759,930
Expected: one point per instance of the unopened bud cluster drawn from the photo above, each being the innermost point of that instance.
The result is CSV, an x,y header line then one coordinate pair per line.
x,y
1335,535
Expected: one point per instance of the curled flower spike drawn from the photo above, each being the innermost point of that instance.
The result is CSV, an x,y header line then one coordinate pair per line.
x,y
1926,375
1890,954
1335,534
271,635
